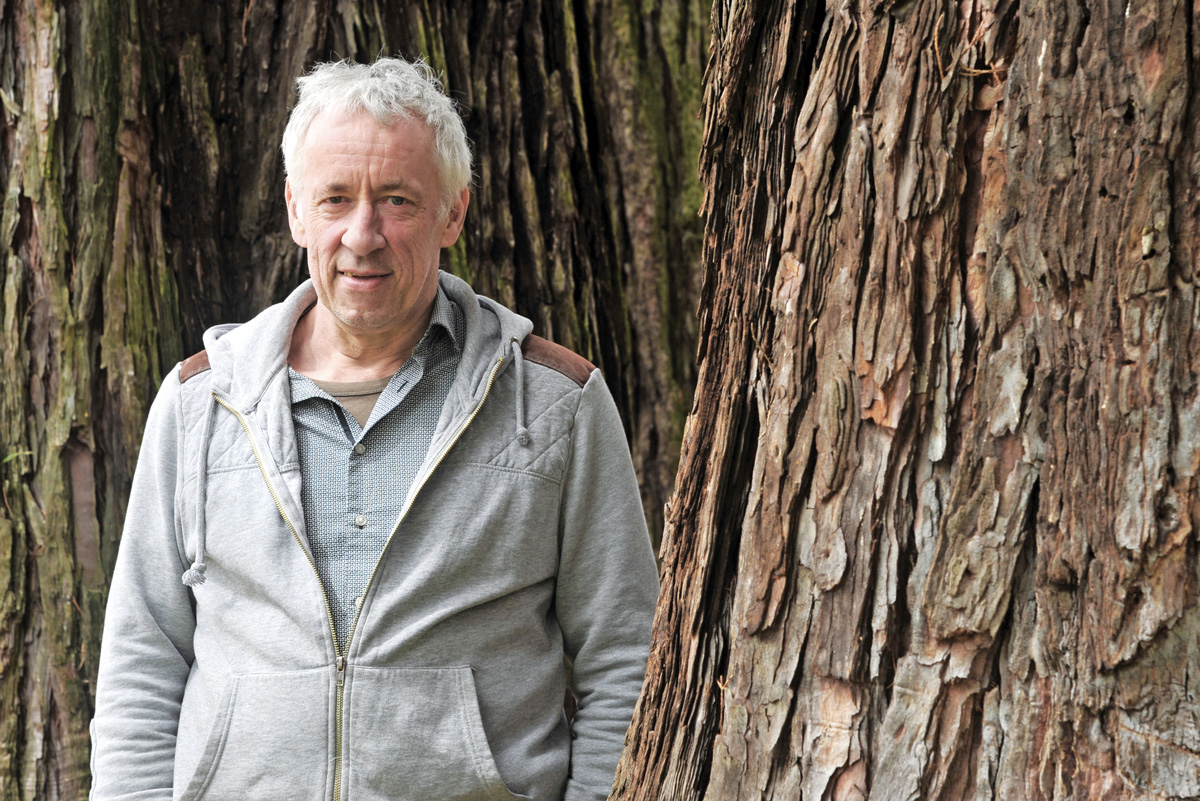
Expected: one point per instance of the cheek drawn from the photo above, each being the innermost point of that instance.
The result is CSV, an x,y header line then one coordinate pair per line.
x,y
326,241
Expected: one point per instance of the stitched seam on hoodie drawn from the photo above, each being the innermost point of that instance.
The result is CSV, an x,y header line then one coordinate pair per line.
x,y
212,471
179,509
518,471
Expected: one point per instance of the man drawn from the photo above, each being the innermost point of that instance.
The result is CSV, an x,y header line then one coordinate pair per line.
x,y
394,512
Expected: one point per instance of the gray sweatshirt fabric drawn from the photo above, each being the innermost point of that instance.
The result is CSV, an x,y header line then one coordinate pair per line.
x,y
522,540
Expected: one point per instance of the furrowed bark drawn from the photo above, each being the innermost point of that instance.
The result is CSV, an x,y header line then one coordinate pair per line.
x,y
957,244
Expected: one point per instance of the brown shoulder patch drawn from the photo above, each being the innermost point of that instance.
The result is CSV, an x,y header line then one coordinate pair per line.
x,y
193,365
556,357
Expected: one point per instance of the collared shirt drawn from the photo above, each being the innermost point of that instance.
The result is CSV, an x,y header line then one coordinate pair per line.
x,y
355,478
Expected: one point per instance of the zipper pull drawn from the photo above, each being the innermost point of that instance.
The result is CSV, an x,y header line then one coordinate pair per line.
x,y
341,670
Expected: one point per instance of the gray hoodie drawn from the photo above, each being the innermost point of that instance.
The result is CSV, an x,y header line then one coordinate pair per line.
x,y
522,541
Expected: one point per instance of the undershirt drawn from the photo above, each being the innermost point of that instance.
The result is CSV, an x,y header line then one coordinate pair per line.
x,y
356,397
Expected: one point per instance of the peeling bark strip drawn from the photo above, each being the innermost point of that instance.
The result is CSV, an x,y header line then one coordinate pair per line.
x,y
142,202
933,533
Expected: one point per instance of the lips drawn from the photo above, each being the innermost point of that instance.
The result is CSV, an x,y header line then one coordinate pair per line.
x,y
361,280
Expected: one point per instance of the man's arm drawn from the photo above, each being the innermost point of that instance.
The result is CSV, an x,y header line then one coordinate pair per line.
x,y
146,651
606,592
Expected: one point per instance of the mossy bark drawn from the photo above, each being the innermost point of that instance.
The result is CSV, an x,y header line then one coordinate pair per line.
x,y
143,202
933,534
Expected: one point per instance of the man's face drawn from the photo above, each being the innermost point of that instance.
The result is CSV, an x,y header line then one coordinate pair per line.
x,y
368,206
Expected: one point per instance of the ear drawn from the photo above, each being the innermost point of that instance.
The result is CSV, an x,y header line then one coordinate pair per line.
x,y
454,220
294,220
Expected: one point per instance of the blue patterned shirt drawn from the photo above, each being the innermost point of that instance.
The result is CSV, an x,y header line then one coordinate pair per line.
x,y
355,478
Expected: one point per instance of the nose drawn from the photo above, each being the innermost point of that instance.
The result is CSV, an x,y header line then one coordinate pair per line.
x,y
362,235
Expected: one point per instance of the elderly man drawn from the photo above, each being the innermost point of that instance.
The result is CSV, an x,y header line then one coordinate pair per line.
x,y
393,510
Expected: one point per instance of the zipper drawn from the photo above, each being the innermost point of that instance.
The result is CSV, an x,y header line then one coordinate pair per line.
x,y
340,662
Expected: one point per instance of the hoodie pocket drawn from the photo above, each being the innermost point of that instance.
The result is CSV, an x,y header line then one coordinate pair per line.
x,y
270,740
416,734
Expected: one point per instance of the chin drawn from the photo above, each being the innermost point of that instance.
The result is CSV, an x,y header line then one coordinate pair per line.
x,y
366,321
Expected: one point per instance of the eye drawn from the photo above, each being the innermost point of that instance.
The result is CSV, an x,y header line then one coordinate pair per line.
x,y
396,200
335,200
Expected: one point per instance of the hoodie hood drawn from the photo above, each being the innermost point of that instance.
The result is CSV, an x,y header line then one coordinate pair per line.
x,y
248,364
247,360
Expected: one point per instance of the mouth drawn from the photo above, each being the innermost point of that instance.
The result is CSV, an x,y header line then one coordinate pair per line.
x,y
362,280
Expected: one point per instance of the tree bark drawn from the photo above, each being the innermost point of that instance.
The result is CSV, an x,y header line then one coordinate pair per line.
x,y
143,202
933,530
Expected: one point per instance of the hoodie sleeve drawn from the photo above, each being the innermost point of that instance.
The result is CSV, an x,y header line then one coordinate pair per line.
x,y
146,651
606,592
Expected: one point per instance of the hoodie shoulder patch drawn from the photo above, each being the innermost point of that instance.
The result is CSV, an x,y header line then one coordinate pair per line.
x,y
193,365
556,357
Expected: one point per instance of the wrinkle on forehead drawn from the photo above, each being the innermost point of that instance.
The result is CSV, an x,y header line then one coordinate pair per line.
x,y
349,153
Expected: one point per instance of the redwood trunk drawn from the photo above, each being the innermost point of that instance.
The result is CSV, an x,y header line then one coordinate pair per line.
x,y
933,530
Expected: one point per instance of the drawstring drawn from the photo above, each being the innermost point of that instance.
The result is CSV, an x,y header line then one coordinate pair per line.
x,y
194,576
519,366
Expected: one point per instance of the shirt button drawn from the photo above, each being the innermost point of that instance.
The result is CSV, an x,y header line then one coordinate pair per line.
x,y
360,449
360,520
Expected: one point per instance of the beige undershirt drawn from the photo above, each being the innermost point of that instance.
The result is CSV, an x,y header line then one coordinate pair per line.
x,y
357,396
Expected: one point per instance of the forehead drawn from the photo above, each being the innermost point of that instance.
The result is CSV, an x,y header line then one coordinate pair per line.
x,y
339,140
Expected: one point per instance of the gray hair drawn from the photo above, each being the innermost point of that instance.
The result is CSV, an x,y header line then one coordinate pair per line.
x,y
391,89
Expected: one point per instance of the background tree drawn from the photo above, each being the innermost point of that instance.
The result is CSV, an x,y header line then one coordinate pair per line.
x,y
142,202
933,534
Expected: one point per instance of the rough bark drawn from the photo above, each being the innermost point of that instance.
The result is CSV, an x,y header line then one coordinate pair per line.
x,y
933,530
143,202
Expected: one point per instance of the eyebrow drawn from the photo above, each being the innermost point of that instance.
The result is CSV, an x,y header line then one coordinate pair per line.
x,y
399,184
324,190
337,188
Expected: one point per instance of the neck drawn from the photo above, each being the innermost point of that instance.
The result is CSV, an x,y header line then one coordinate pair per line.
x,y
326,350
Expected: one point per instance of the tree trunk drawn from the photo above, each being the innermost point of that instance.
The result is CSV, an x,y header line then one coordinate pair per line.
x,y
932,533
143,202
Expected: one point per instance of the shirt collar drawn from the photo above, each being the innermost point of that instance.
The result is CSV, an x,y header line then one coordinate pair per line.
x,y
446,316
449,317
